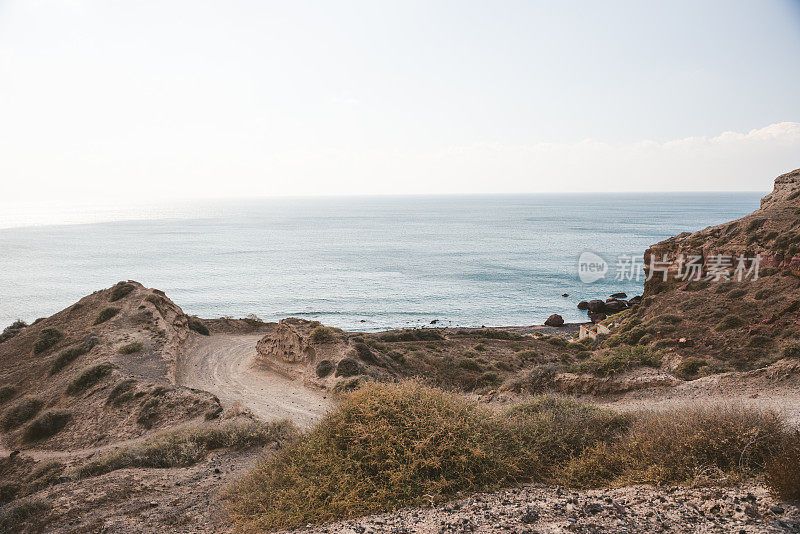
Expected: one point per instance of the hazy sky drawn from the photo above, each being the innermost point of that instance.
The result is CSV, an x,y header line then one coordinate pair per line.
x,y
171,99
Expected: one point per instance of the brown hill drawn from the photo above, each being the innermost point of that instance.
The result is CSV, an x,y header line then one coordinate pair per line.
x,y
739,309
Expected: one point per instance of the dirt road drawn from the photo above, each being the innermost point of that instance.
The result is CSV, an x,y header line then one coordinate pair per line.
x,y
222,364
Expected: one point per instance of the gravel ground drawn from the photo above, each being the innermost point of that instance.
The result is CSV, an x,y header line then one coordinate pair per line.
x,y
543,509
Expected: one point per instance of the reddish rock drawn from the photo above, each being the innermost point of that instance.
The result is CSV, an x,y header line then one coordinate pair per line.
x,y
554,320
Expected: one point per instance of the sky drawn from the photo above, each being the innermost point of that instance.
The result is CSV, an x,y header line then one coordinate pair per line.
x,y
111,101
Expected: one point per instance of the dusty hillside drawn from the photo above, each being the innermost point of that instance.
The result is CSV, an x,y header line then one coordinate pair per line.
x,y
729,320
89,404
106,378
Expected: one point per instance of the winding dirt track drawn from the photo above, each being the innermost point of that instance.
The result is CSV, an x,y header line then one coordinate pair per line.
x,y
222,364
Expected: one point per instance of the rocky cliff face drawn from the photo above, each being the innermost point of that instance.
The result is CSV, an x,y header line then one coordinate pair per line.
x,y
772,233
731,292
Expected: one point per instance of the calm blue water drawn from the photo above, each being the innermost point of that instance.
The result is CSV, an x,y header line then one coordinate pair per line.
x,y
359,263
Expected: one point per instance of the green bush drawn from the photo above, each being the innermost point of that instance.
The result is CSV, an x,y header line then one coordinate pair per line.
x,y
48,337
24,410
619,360
105,315
689,367
196,325
470,365
46,425
89,377
130,348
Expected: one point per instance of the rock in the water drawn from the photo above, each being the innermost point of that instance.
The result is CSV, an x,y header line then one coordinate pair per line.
x,y
583,305
619,296
596,317
564,294
324,368
595,306
348,367
554,320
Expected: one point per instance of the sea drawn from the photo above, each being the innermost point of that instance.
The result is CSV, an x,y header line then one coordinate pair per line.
x,y
357,263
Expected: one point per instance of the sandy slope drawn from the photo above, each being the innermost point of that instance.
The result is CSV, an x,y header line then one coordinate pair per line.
x,y
222,365
774,388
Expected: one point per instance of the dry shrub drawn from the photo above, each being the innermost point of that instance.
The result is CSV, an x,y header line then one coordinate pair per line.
x,y
690,445
392,445
538,380
7,393
323,335
122,392
105,315
17,515
46,339
196,325
46,425
66,357
185,447
21,412
415,334
90,377
120,290
783,469
130,348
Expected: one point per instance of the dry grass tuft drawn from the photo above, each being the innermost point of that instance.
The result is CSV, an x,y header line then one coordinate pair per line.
x,y
131,348
120,290
46,425
686,446
15,516
783,469
391,445
47,338
185,447
89,377
23,411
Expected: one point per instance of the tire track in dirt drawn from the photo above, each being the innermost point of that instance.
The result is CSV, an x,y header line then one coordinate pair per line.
x,y
222,364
